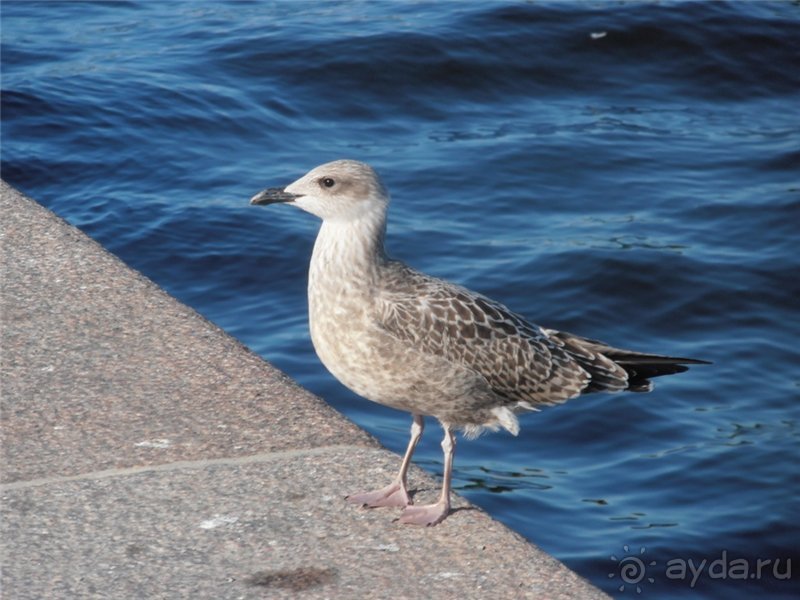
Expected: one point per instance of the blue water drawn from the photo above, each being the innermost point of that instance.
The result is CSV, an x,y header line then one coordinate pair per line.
x,y
627,171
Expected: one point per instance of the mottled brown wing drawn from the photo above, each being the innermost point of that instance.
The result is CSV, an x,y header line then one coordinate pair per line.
x,y
518,359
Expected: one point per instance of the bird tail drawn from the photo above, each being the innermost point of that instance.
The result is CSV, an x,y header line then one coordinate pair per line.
x,y
616,369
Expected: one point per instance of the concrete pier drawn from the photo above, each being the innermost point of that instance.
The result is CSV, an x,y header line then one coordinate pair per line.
x,y
147,454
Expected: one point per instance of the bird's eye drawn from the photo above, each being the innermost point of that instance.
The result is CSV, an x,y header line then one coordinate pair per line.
x,y
327,182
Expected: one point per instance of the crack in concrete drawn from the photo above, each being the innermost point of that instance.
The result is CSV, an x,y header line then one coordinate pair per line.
x,y
188,464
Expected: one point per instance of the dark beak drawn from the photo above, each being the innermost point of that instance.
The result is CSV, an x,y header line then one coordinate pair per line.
x,y
273,195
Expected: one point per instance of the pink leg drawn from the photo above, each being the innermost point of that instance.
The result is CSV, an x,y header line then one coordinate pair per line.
x,y
396,493
431,514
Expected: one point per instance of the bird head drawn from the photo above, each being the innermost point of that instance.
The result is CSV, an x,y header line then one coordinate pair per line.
x,y
338,190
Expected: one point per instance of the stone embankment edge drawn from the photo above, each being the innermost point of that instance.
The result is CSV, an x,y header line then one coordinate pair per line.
x,y
147,453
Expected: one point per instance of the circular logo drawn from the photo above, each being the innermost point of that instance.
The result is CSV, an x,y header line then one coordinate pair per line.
x,y
632,569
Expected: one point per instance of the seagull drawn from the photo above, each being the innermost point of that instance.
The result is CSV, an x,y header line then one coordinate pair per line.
x,y
420,344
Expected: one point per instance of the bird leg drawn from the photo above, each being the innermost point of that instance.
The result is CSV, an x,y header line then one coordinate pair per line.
x,y
396,493
431,514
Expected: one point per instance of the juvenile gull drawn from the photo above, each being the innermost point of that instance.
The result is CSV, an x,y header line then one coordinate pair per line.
x,y
420,344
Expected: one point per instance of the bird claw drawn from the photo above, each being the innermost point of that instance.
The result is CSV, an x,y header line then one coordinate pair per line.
x,y
427,515
394,495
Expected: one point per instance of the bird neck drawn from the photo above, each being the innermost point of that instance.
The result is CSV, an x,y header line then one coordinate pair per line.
x,y
349,251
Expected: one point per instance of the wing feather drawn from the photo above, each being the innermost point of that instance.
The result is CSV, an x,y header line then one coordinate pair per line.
x,y
519,360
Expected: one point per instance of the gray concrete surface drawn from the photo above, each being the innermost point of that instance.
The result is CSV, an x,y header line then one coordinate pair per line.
x,y
147,454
